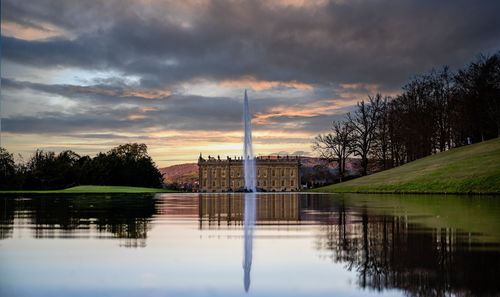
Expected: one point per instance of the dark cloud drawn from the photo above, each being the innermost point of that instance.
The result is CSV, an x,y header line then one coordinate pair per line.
x,y
186,113
160,49
100,94
379,42
104,110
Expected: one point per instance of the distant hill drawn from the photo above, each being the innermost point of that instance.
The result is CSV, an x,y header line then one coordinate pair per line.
x,y
469,169
182,173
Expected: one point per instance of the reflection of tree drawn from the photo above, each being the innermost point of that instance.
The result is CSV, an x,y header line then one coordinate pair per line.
x,y
126,217
6,217
389,252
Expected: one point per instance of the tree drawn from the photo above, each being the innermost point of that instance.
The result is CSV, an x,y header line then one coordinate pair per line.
x,y
479,92
131,150
335,146
382,134
46,170
363,124
7,170
435,112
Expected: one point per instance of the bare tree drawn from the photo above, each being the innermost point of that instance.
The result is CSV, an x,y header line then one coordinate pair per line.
x,y
382,134
335,146
363,123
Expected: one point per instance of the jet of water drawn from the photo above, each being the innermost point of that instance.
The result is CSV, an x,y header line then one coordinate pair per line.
x,y
249,213
248,158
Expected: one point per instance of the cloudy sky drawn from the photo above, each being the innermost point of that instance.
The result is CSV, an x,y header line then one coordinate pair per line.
x,y
90,75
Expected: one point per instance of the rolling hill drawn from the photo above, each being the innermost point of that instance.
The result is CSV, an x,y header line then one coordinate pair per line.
x,y
469,169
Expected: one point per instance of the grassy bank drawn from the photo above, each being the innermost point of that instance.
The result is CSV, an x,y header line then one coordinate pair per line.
x,y
94,190
469,169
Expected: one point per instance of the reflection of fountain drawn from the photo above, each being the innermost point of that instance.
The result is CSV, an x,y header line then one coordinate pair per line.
x,y
248,223
249,216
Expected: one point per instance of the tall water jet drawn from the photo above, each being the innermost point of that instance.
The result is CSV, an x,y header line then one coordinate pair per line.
x,y
249,160
249,214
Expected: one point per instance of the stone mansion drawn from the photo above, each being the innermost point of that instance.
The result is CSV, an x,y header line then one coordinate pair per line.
x,y
274,174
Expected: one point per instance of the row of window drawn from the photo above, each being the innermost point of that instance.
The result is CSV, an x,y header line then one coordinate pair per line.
x,y
260,172
238,183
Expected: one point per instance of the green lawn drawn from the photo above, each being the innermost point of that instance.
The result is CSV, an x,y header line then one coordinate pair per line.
x,y
469,169
94,189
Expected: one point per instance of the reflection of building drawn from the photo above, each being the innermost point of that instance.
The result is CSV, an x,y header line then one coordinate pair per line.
x,y
270,208
274,174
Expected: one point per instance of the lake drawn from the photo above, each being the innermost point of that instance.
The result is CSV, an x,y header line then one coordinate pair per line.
x,y
303,245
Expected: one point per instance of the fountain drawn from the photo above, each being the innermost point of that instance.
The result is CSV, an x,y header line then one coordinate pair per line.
x,y
249,160
249,213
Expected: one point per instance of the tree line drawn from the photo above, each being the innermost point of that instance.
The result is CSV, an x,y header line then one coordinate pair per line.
x,y
436,111
124,165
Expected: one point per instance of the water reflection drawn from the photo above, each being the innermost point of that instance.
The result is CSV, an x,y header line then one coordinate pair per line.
x,y
248,225
389,252
413,245
391,243
270,209
124,216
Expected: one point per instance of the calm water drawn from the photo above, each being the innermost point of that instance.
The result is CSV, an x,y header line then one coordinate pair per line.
x,y
303,245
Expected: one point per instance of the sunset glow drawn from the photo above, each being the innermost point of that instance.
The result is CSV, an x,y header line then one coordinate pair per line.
x,y
171,74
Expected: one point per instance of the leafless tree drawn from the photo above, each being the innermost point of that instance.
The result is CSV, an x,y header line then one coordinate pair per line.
x,y
335,146
382,134
363,122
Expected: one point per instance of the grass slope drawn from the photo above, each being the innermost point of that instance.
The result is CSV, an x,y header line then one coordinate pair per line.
x,y
469,169
94,189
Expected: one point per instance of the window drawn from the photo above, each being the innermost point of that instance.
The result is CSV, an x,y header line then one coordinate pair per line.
x,y
205,182
273,173
283,172
265,183
239,173
265,172
213,183
258,183
258,173
292,183
292,173
223,172
274,183
204,173
214,172
223,183
282,183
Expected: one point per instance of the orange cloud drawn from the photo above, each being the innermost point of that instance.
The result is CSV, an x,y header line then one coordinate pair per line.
x,y
41,31
322,107
142,113
258,85
136,116
360,91
146,109
100,91
146,94
297,3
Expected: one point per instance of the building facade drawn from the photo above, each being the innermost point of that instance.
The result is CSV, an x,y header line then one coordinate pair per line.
x,y
273,173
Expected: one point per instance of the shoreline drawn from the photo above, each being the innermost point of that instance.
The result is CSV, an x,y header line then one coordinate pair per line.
x,y
90,189
407,193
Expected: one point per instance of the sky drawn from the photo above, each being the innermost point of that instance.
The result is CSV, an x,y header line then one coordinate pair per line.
x,y
91,75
